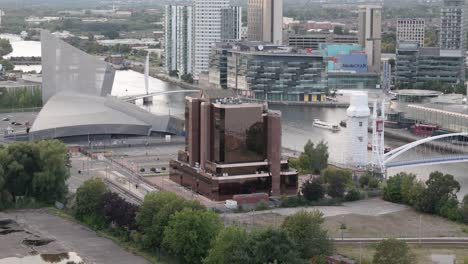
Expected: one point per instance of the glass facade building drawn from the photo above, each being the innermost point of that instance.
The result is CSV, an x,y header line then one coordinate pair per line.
x,y
415,66
232,148
268,72
352,80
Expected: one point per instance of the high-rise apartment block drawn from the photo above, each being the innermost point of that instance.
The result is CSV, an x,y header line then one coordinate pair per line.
x,y
179,54
232,148
411,30
265,21
207,30
453,27
231,23
370,34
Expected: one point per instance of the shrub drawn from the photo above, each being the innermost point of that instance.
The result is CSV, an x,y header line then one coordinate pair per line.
x,y
313,190
353,195
262,205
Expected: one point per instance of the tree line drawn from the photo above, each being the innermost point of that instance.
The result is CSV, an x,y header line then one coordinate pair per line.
x,y
438,195
192,233
33,172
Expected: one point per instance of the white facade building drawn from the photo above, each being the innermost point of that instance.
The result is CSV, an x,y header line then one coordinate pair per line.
x,y
207,31
358,115
411,30
178,34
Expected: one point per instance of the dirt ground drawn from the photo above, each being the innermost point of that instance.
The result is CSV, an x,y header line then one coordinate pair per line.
x,y
371,218
438,254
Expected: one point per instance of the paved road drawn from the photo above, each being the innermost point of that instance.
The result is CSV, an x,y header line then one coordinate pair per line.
x,y
70,236
370,207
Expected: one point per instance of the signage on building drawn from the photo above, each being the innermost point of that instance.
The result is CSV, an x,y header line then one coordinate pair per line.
x,y
352,62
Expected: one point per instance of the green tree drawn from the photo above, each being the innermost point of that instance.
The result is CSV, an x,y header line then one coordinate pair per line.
x,y
155,213
314,158
464,209
5,47
392,251
187,78
190,234
230,247
88,198
392,191
440,190
49,182
272,246
336,181
7,65
305,230
313,190
111,34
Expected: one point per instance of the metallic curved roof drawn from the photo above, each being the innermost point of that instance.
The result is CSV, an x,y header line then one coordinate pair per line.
x,y
68,114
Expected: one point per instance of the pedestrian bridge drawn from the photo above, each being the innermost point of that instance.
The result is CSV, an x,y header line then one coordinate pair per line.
x,y
132,98
442,149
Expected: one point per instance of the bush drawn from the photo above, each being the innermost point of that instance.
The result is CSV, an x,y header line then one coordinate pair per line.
x,y
293,201
262,205
353,195
313,190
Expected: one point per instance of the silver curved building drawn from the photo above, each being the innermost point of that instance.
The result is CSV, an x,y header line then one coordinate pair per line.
x,y
76,88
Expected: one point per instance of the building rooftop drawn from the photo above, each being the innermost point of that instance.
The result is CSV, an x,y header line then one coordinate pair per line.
x,y
415,92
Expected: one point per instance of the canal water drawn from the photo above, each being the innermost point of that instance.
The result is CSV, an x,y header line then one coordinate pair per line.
x,y
297,120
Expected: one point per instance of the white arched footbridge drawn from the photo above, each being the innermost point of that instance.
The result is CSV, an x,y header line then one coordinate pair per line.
x,y
452,153
142,96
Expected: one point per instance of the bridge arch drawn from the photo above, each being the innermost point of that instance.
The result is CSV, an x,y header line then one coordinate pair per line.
x,y
398,151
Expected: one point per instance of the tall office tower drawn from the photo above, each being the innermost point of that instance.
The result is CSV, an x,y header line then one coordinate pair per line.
x,y
370,34
207,31
411,30
178,35
231,23
265,21
453,28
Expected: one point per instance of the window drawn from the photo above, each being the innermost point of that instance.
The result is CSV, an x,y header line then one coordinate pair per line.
x,y
360,124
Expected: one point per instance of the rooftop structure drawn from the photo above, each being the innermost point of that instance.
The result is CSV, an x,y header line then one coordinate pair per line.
x,y
313,41
232,148
66,68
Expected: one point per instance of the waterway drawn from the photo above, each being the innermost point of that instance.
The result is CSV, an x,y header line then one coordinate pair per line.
x,y
297,120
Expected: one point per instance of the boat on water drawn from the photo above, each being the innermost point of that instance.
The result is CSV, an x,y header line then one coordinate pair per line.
x,y
321,124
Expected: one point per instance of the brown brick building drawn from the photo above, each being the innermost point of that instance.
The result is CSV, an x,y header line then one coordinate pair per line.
x,y
232,148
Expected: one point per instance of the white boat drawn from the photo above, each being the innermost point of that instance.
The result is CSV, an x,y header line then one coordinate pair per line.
x,y
325,125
